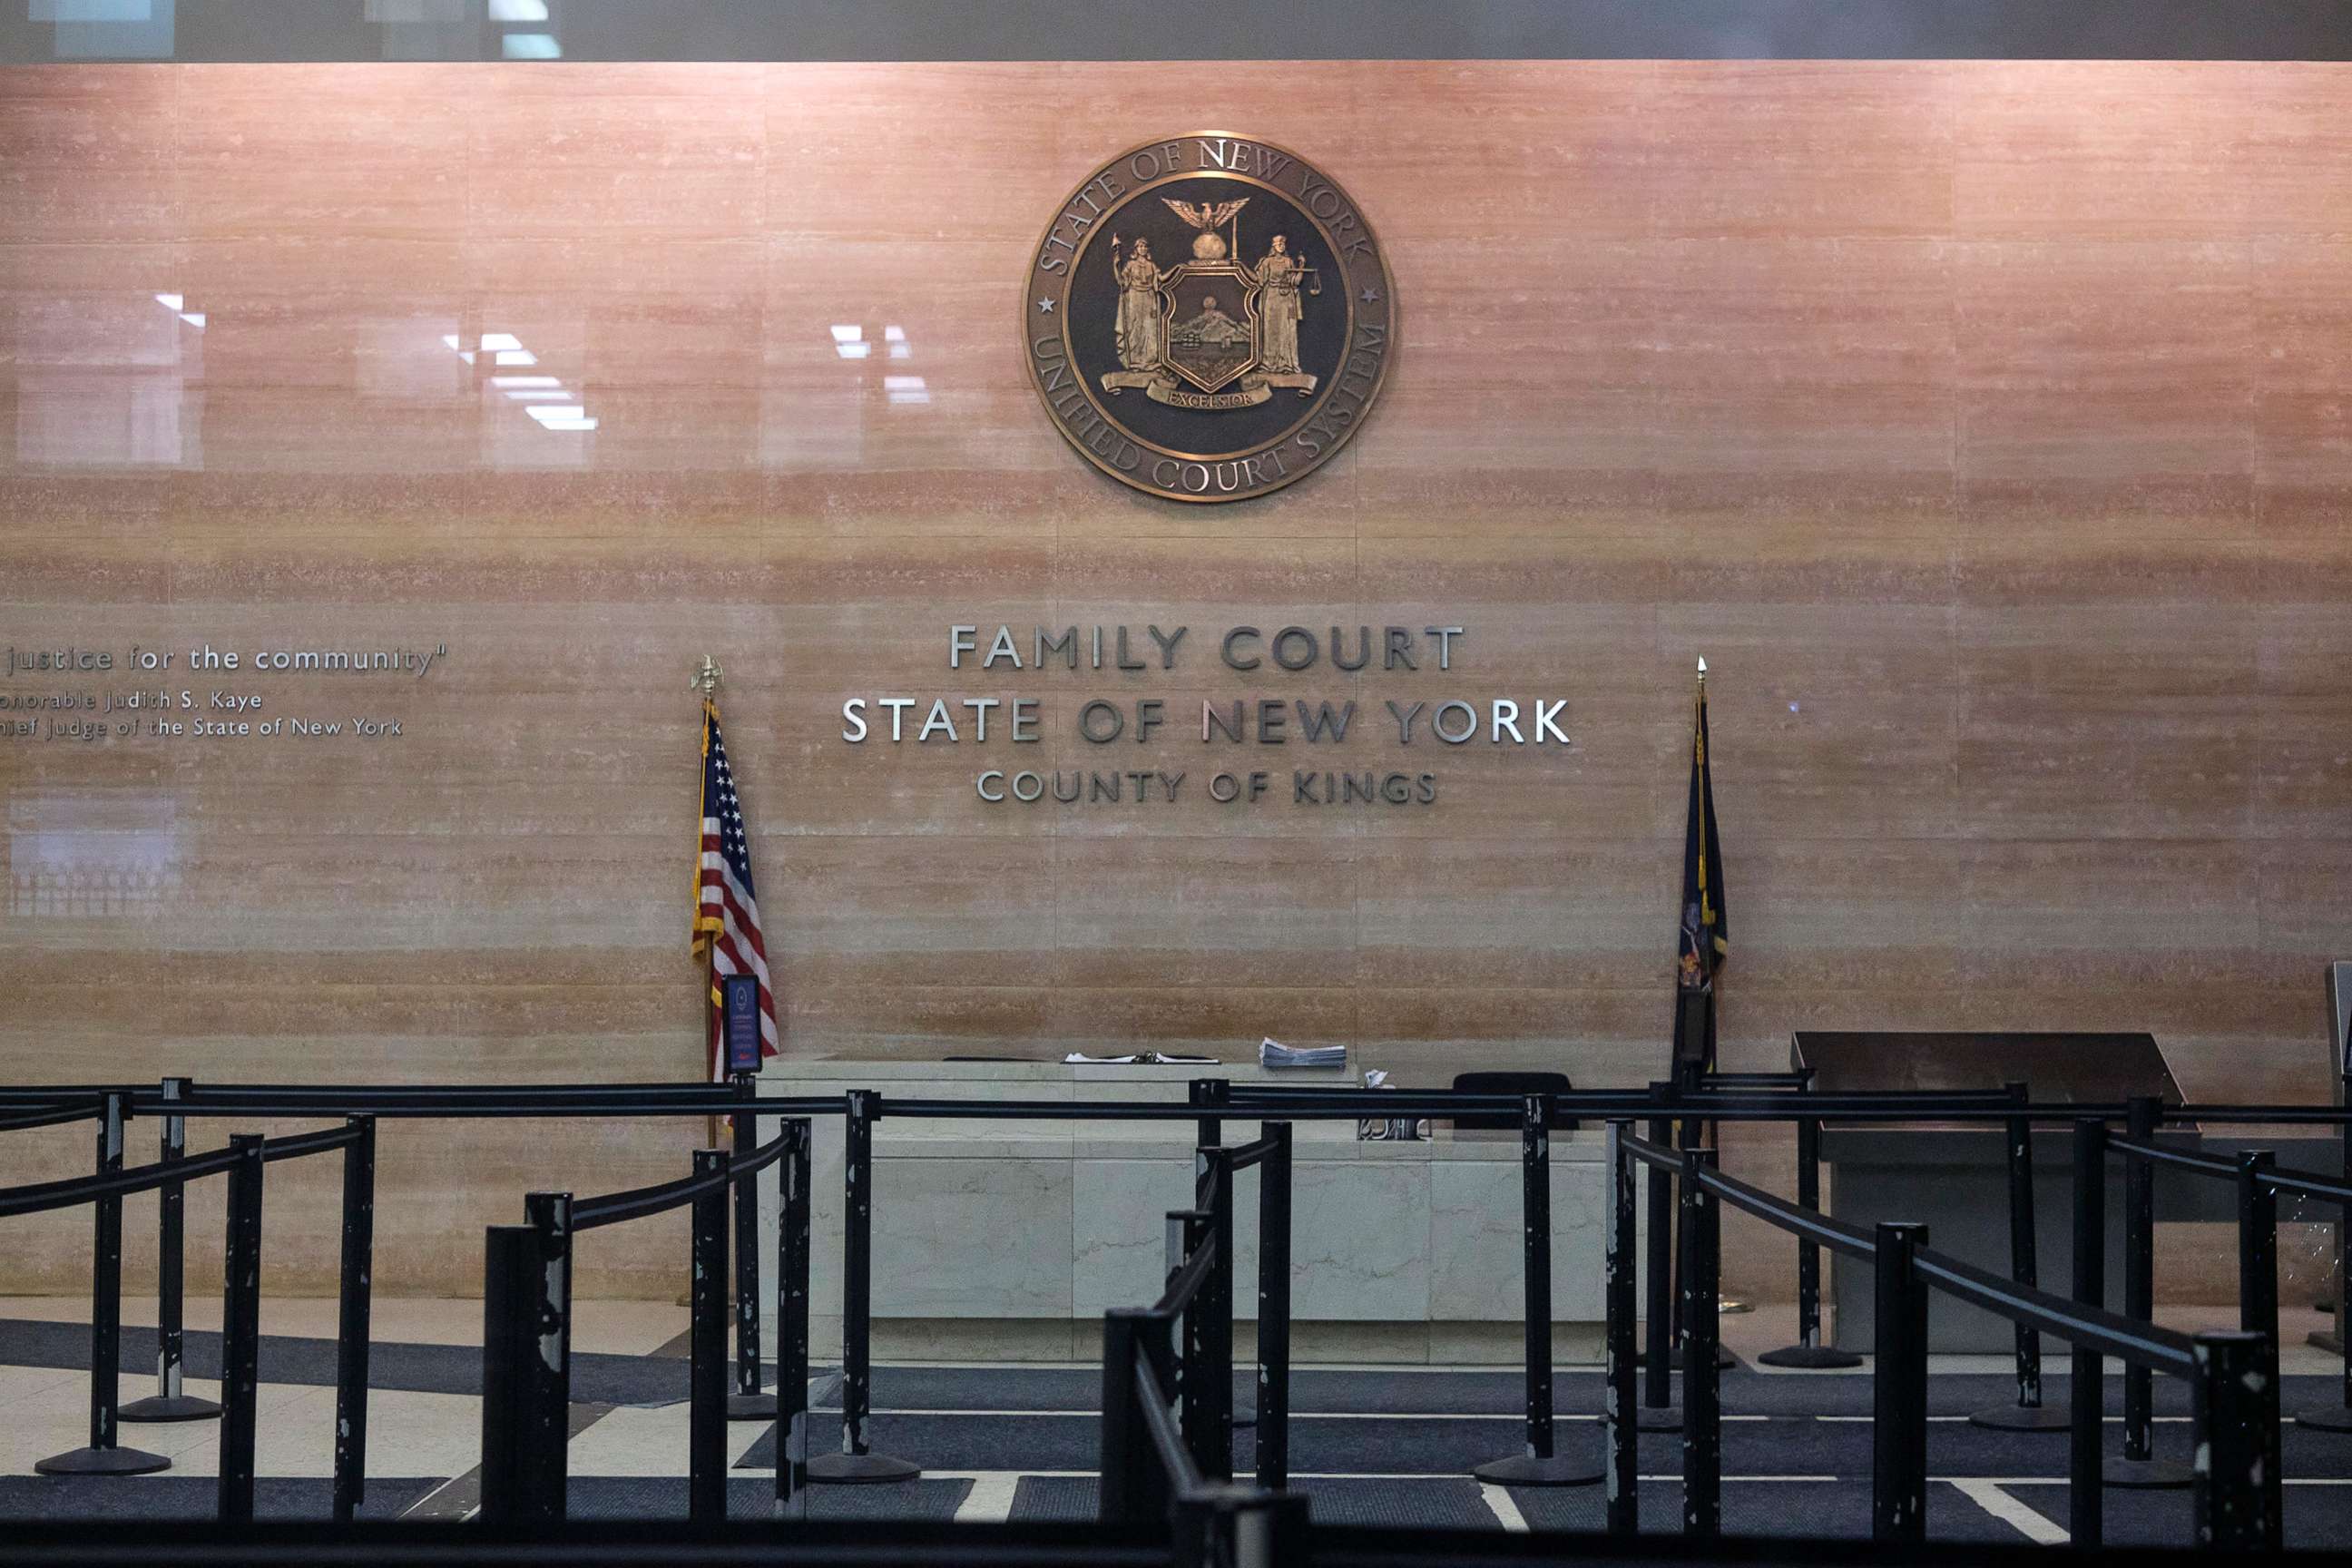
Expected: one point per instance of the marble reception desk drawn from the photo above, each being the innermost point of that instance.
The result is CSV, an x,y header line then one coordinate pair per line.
x,y
1009,1239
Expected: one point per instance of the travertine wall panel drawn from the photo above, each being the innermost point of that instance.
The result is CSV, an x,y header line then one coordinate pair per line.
x,y
1988,427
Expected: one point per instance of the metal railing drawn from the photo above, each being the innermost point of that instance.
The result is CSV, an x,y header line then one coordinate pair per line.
x,y
242,1162
2232,1375
1167,1423
527,1332
1688,1173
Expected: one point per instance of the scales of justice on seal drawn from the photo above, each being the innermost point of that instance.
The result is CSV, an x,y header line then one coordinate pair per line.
x,y
1208,317
1211,332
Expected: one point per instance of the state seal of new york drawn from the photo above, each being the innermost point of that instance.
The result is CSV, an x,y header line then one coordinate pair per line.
x,y
1208,317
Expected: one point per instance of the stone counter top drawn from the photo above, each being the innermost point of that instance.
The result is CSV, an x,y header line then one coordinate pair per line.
x,y
1065,1081
1009,1239
1566,1148
880,1073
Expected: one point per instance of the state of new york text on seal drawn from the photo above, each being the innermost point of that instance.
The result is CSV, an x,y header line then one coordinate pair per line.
x,y
1209,316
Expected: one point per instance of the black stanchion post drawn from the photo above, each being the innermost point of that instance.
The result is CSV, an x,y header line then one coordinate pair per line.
x,y
746,1403
2085,1468
508,1291
2139,1467
1679,1138
705,1441
1617,1269
2336,1414
1689,1132
1126,1458
1217,1307
858,1464
1899,1468
2258,1308
2029,1414
240,1330
1657,1413
103,1457
2237,1479
1536,1464
1195,1365
1809,1353
1214,1186
1274,1311
792,1322
1702,1323
2257,1244
352,1318
171,1402
543,1329
106,1285
1209,1093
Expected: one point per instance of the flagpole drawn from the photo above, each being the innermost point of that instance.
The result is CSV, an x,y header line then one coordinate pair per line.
x,y
706,680
1725,1305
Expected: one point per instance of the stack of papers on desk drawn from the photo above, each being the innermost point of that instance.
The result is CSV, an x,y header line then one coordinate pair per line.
x,y
1273,1053
1142,1059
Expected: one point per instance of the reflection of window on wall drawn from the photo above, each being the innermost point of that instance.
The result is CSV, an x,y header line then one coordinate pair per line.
x,y
91,856
101,380
467,29
108,29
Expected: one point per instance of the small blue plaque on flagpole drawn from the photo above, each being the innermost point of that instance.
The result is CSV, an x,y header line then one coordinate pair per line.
x,y
740,1009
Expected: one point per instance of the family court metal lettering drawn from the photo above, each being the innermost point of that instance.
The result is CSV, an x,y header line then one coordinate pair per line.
x,y
1413,726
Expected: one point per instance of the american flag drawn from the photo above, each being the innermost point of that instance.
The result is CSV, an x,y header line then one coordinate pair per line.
x,y
726,909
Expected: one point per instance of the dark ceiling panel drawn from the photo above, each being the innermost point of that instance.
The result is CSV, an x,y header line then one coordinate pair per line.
x,y
263,30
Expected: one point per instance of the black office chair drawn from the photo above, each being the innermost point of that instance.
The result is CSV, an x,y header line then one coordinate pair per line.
x,y
1520,1083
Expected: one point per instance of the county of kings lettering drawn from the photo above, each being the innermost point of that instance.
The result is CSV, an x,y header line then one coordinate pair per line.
x,y
1208,317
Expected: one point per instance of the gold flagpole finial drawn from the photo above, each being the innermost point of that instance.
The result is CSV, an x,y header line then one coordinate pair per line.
x,y
1702,669
706,679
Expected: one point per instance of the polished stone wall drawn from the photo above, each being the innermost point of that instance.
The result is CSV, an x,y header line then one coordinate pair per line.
x,y
1988,427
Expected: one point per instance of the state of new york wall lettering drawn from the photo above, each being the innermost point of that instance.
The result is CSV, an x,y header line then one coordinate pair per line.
x,y
1203,737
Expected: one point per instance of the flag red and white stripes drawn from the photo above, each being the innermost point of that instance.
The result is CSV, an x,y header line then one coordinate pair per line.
x,y
727,910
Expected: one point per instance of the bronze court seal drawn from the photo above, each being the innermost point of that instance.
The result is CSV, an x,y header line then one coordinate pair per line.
x,y
1208,317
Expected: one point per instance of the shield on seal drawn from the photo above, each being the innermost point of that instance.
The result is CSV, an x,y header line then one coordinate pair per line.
x,y
1210,333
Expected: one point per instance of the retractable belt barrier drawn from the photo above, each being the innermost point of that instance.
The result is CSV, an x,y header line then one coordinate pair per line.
x,y
527,1297
527,1332
1538,1463
2233,1375
2258,1182
242,1162
1167,1425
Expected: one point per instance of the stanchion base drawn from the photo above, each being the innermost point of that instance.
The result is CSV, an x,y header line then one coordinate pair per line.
x,y
859,1470
169,1407
1657,1419
1527,1470
1810,1358
2024,1418
2146,1475
2327,1418
751,1407
103,1462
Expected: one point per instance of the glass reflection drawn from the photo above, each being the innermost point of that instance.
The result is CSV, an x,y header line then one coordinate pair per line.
x,y
92,854
108,29
544,399
103,382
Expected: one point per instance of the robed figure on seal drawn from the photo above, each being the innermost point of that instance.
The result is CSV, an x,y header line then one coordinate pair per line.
x,y
1139,309
1277,278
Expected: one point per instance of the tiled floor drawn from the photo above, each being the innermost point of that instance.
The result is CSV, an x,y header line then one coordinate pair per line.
x,y
1374,1444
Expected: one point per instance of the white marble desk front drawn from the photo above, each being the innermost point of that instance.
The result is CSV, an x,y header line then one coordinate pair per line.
x,y
1009,1239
